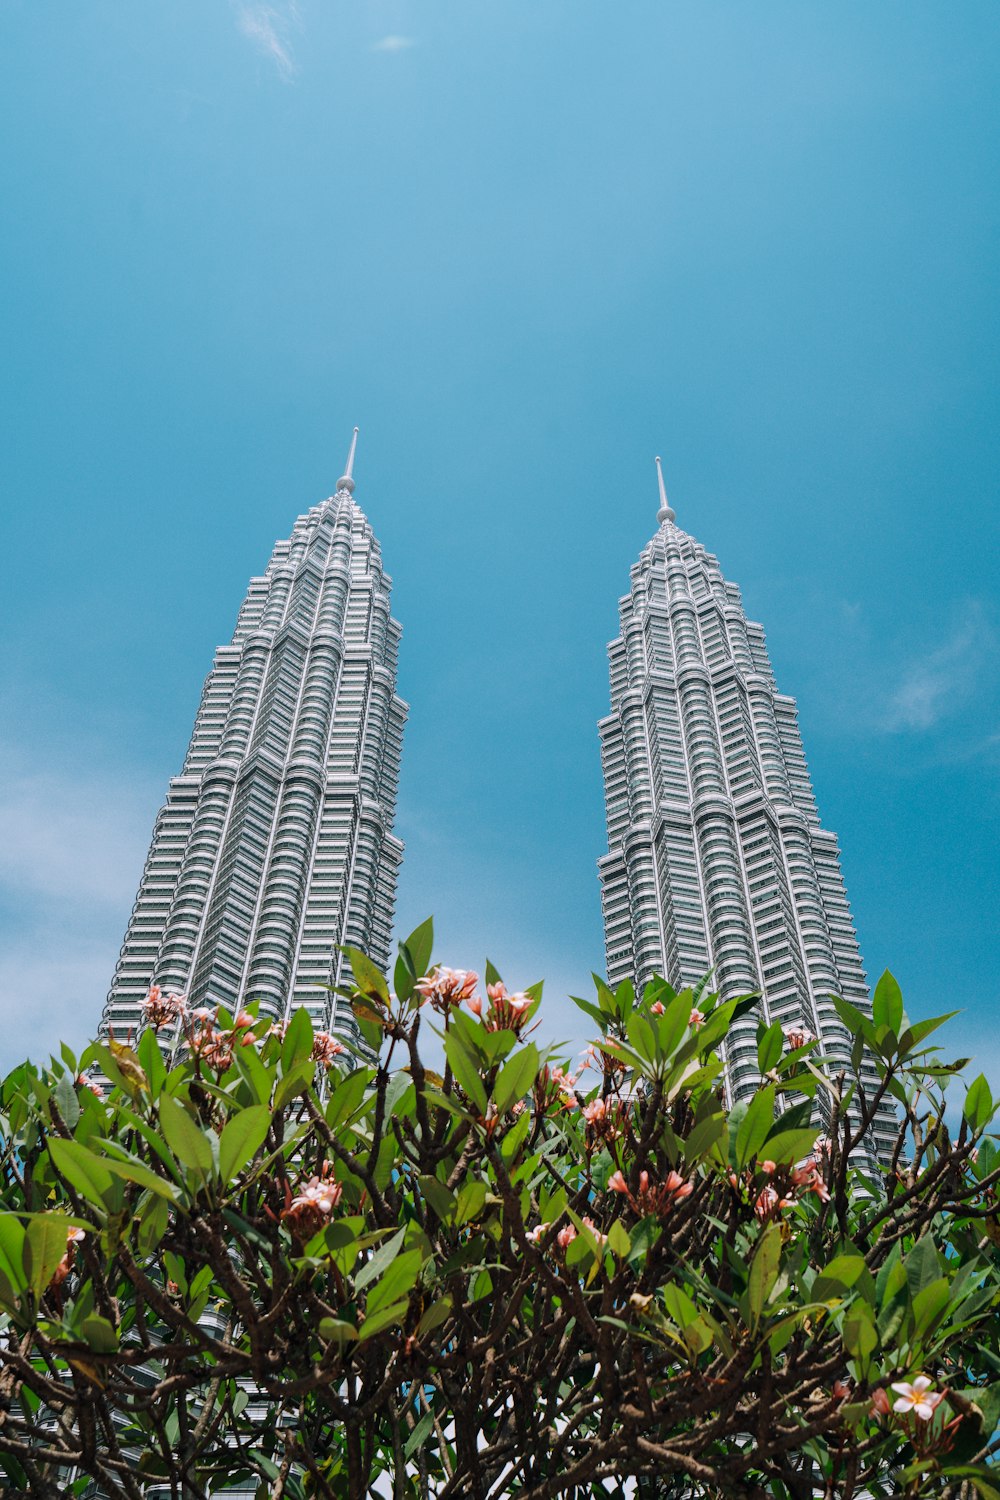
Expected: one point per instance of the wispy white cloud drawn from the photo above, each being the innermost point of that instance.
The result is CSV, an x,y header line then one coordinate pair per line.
x,y
940,681
393,43
269,28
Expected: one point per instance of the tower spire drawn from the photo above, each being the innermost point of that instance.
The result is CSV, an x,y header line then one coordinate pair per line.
x,y
666,510
346,480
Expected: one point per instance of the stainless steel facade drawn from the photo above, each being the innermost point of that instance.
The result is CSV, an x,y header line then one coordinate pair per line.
x,y
275,842
716,858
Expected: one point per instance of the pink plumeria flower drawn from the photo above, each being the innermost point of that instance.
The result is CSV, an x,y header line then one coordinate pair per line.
x,y
796,1035
657,1008
497,991
880,1406
535,1235
74,1236
601,1239
595,1112
696,1018
768,1168
566,1235
86,1082
325,1048
617,1183
917,1397
676,1185
475,1004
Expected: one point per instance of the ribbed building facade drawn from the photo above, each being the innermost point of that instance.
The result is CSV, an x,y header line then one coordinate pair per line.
x,y
716,858
275,842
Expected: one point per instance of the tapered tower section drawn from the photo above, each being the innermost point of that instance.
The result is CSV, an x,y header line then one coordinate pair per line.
x,y
716,858
275,843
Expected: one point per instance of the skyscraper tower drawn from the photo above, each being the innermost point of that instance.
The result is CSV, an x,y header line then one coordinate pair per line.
x,y
716,858
275,843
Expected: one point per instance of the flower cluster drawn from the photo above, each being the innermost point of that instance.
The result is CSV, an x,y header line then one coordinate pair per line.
x,y
652,1198
159,1010
796,1035
84,1081
695,1020
442,987
555,1086
605,1118
567,1234
306,1213
325,1048
506,1012
207,1042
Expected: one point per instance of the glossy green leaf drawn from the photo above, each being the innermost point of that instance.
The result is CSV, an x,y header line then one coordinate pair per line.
x,y
764,1270
84,1171
297,1043
464,1068
887,1004
367,976
756,1124
770,1047
516,1077
242,1137
186,1140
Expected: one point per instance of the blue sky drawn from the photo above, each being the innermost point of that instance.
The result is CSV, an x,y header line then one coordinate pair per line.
x,y
525,246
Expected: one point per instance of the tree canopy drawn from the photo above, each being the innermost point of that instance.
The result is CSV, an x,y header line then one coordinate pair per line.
x,y
249,1258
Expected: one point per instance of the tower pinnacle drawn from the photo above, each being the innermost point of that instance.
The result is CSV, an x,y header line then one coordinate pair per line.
x,y
666,511
346,480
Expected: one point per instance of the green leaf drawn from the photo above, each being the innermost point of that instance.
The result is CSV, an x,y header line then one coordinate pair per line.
x,y
44,1248
81,1169
12,1251
679,1307
619,1242
887,1004
516,1077
379,1262
152,1060
755,1126
438,1196
929,1303
789,1145
859,1332
420,945
922,1265
298,1040
186,1140
978,1108
241,1139
770,1047
385,1317
138,1172
398,1280
99,1334
435,1315
294,1082
471,1198
336,1331
66,1101
367,976
704,1136
464,1067
764,1270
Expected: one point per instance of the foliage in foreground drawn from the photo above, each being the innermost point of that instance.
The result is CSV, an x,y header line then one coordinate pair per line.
x,y
259,1262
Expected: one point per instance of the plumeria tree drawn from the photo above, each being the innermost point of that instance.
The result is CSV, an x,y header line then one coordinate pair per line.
x,y
249,1259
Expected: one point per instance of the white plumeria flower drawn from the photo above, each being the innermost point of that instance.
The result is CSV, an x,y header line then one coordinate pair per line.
x,y
917,1398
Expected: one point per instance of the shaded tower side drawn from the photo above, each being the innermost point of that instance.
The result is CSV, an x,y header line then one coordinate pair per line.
x,y
716,858
275,842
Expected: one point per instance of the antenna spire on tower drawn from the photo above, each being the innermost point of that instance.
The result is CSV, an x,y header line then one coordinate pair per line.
x,y
346,480
666,510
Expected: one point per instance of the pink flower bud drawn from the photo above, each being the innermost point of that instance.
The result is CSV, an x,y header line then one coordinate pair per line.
x,y
617,1183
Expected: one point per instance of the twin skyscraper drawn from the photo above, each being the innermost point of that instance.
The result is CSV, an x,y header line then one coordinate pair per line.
x,y
275,843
